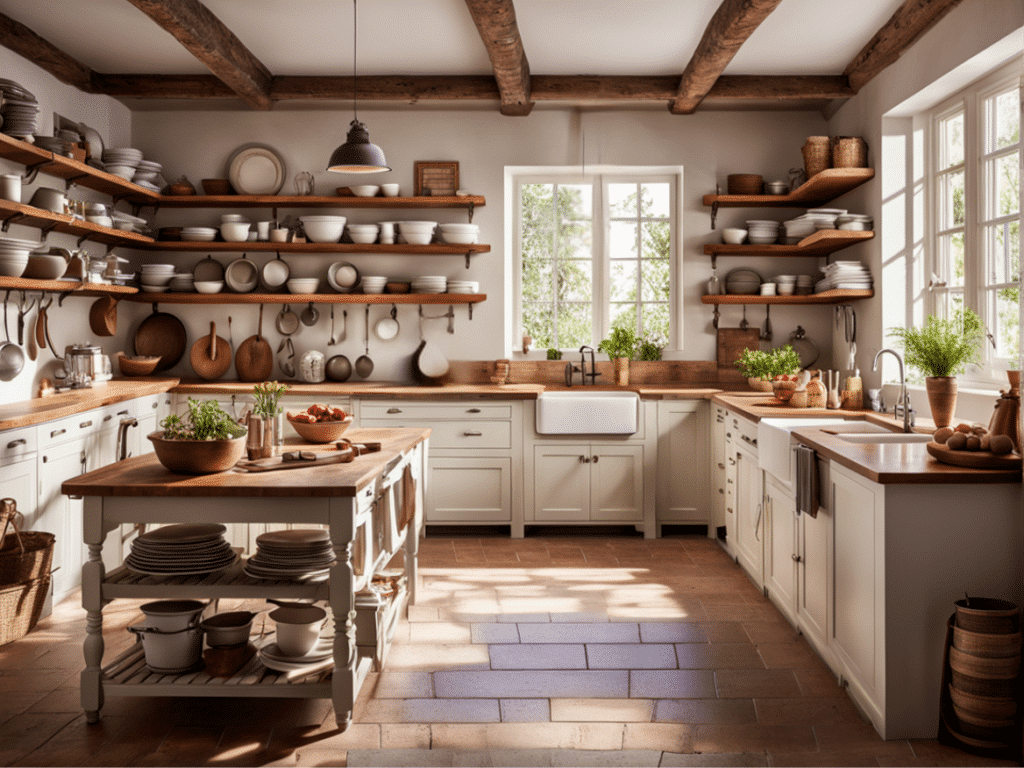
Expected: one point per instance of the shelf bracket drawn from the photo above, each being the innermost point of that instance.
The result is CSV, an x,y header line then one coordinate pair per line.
x,y
64,295
714,261
468,254
470,210
110,248
83,238
273,215
70,181
714,213
47,230
714,321
469,307
11,220
32,171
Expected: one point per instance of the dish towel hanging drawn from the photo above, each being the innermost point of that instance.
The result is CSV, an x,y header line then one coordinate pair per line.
x,y
408,508
807,498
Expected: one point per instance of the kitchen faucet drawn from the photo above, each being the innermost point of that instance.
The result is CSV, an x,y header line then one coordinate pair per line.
x,y
122,437
902,406
583,365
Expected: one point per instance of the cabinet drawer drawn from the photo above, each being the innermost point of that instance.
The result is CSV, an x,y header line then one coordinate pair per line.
x,y
433,412
741,430
70,428
455,434
15,444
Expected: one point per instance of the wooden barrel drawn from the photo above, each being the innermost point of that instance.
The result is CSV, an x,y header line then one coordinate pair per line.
x,y
988,615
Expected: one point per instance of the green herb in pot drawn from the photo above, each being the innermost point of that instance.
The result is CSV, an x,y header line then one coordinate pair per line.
x,y
205,420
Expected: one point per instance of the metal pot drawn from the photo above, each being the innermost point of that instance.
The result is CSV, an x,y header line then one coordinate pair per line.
x,y
227,629
168,652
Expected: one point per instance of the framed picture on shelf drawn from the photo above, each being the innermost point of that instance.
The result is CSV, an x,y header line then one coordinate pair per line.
x,y
436,178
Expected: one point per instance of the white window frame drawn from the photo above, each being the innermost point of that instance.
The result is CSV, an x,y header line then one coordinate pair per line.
x,y
975,293
598,176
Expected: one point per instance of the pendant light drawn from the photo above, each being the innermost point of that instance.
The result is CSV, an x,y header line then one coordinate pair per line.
x,y
357,154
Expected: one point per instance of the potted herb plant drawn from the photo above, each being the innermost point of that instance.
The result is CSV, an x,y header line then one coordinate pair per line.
x,y
204,441
620,346
762,367
266,422
941,349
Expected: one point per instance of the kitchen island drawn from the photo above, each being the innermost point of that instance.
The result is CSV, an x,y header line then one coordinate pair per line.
x,y
355,501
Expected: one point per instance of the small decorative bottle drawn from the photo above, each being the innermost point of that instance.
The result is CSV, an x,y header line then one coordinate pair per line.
x,y
816,392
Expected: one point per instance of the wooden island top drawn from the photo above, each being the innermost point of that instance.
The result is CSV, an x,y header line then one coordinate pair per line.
x,y
146,476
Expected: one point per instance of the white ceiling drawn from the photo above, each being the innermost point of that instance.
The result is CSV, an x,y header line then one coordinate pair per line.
x,y
438,37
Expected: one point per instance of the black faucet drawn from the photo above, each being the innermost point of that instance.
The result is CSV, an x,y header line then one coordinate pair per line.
x,y
583,365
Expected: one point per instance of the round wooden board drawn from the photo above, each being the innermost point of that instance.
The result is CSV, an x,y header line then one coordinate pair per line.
x,y
974,459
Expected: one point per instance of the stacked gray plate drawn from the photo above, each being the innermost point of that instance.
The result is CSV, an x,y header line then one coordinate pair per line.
x,y
300,554
19,109
181,550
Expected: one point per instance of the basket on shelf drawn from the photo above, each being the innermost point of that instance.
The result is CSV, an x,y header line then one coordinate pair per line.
x,y
25,562
849,152
817,152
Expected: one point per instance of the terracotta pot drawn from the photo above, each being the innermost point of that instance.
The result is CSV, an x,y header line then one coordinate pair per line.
x,y
759,385
621,367
941,398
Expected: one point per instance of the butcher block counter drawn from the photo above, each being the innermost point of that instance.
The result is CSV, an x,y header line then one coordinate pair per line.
x,y
372,506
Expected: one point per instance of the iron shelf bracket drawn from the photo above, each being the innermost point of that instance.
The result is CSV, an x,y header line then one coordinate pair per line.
x,y
32,171
714,260
468,254
469,306
714,213
714,321
47,230
469,209
83,238
12,220
69,182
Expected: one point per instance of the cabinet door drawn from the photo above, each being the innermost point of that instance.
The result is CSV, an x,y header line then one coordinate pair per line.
x,y
617,483
718,473
18,482
813,534
749,513
62,515
561,482
683,461
780,550
858,603
469,490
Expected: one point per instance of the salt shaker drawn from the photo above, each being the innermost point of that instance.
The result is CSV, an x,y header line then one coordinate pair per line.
x,y
833,401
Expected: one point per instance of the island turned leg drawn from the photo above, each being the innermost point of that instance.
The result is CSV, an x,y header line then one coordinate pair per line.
x,y
92,601
343,606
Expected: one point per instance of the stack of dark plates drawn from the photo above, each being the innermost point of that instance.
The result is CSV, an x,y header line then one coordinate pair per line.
x,y
181,550
301,554
19,109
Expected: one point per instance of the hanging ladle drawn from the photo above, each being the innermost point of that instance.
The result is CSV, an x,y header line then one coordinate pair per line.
x,y
743,323
12,358
766,334
309,315
332,341
364,365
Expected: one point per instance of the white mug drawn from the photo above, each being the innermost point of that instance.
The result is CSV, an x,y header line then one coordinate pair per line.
x,y
10,187
262,230
767,289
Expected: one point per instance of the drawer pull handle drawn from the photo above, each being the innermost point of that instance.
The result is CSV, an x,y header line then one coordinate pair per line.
x,y
394,410
732,462
471,433
728,434
747,440
796,558
721,490
584,459
721,465
56,432
16,443
85,424
596,458
155,406
473,410
121,413
108,417
76,498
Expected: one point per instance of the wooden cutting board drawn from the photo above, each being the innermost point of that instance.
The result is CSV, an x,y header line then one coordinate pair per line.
x,y
732,342
280,462
974,459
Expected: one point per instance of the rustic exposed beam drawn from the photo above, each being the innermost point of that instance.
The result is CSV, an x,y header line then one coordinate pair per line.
x,y
780,87
407,88
729,28
43,53
496,22
163,86
206,38
911,20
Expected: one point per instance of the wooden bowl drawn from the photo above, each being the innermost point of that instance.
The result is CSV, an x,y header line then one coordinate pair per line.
x,y
181,190
217,187
197,457
397,287
137,366
996,710
322,431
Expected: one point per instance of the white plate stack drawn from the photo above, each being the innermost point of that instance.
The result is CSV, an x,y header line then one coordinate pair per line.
x,y
824,218
19,109
147,175
431,284
463,286
845,275
761,232
183,283
799,228
198,234
181,550
156,278
460,234
855,222
122,161
319,659
14,256
300,554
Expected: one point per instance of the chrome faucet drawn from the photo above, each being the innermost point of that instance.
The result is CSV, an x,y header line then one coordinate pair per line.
x,y
592,376
902,406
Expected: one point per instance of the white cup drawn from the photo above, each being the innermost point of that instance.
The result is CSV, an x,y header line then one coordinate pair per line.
x,y
387,232
767,289
389,190
263,230
10,187
279,235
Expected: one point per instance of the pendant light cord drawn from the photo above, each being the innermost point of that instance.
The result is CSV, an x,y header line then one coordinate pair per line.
x,y
355,43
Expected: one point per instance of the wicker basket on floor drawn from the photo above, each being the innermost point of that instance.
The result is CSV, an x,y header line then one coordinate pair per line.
x,y
21,605
24,556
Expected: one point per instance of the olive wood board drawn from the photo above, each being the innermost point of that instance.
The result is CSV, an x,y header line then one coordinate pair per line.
x,y
974,459
301,459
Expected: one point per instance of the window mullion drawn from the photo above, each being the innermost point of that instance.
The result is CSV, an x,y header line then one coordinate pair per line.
x,y
601,243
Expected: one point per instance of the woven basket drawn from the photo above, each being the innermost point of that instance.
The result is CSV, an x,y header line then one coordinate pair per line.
x,y
849,152
34,563
817,154
21,605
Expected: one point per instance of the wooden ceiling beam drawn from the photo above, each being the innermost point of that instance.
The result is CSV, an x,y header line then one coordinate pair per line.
x,y
729,28
24,42
496,22
206,38
407,88
902,30
781,87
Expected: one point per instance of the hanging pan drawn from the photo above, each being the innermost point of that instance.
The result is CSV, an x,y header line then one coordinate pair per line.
x,y
161,335
211,355
254,360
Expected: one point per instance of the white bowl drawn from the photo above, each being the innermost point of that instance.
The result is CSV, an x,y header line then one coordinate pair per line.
x,y
13,266
456,238
103,221
389,190
198,237
303,285
365,190
155,281
236,217
209,286
298,628
462,229
124,171
416,227
322,230
234,231
763,239
415,238
734,236
275,273
171,615
785,289
363,238
364,228
343,276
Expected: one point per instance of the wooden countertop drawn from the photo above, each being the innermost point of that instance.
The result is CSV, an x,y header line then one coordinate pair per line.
x,y
146,476
42,409
760,405
904,463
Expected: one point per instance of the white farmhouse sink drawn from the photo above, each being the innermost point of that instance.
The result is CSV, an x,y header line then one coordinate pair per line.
x,y
887,437
583,412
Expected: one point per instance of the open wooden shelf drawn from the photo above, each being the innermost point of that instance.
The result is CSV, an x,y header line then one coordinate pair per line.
x,y
825,297
47,221
821,243
304,298
821,188
313,201
434,249
65,286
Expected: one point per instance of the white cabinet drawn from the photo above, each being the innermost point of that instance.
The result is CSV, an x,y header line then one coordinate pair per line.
x,y
18,472
588,482
59,514
470,490
814,549
748,513
683,463
717,526
781,558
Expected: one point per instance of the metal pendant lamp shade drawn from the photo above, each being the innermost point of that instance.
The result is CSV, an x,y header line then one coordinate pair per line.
x,y
357,154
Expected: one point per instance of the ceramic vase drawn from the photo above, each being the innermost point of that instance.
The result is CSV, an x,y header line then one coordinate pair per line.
x,y
621,367
941,398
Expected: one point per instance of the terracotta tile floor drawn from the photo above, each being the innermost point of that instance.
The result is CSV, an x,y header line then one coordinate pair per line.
x,y
574,649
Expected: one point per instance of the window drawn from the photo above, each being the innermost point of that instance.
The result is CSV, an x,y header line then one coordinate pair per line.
x,y
976,212
594,252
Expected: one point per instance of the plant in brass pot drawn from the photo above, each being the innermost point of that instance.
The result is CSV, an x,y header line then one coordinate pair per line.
x,y
266,422
205,440
941,349
762,367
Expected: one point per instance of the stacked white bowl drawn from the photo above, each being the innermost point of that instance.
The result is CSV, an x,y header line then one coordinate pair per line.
x,y
824,218
855,222
198,234
416,232
804,285
156,278
363,233
429,284
463,286
14,256
785,284
323,228
122,161
761,232
146,174
234,228
182,282
799,228
374,283
303,285
461,234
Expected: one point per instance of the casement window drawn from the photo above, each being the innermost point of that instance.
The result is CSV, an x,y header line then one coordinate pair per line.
x,y
975,211
593,252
